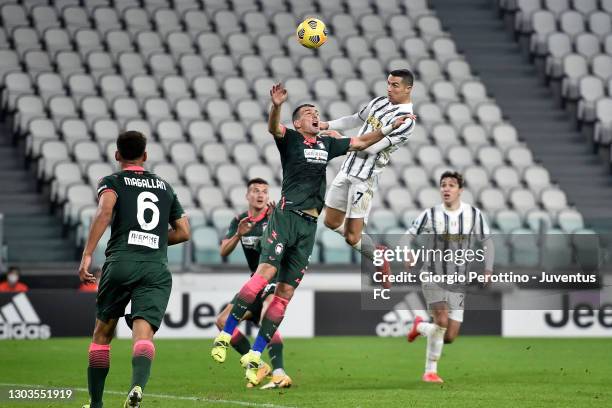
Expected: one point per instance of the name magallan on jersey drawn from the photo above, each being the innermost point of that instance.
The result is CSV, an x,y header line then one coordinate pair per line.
x,y
145,206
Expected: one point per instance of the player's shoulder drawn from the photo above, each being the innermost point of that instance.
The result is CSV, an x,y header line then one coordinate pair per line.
x,y
378,101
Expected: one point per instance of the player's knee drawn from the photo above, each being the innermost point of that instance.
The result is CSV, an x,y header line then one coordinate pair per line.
x,y
284,291
441,320
331,223
352,238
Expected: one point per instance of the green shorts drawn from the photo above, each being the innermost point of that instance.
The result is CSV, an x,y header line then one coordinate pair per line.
x,y
146,284
257,307
287,244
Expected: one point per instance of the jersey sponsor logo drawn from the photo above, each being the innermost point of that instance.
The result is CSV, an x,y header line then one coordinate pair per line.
x,y
19,320
249,242
397,322
143,239
316,156
144,183
278,249
374,122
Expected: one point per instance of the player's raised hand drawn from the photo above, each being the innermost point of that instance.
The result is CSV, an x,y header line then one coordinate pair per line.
x,y
402,119
244,226
278,93
84,274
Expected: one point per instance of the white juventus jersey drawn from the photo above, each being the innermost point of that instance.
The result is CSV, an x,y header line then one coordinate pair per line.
x,y
377,114
450,230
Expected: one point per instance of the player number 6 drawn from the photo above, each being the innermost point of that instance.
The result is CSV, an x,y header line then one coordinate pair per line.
x,y
143,205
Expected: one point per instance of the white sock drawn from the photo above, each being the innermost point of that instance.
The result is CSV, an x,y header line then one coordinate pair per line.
x,y
425,329
435,342
279,371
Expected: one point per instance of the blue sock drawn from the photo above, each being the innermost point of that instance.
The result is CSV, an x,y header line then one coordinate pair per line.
x,y
260,343
230,324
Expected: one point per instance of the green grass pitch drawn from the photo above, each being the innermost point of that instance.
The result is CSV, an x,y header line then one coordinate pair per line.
x,y
335,372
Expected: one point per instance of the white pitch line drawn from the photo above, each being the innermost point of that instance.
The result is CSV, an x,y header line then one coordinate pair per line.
x,y
164,396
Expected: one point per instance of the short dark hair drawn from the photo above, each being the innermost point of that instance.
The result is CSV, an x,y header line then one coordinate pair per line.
x,y
131,144
14,268
296,112
406,75
452,174
256,180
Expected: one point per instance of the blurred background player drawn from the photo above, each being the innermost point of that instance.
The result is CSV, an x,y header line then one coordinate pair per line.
x,y
247,228
450,222
140,206
12,283
349,198
290,236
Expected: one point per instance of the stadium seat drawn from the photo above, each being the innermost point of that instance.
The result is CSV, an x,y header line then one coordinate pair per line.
x,y
199,132
570,220
335,249
197,175
522,200
476,177
206,246
537,178
553,200
538,220
182,153
65,173
474,136
188,110
506,178
524,248
492,199
175,87
507,221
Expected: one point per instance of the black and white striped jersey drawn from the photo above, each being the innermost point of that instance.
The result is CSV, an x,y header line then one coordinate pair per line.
x,y
447,230
378,113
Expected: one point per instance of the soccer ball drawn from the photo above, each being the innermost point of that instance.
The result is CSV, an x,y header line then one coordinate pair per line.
x,y
312,33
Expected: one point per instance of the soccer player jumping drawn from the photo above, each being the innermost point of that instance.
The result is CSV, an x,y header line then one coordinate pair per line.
x,y
288,240
140,205
247,229
451,225
349,199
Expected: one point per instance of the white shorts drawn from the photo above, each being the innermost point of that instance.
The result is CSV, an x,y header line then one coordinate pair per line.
x,y
455,300
351,195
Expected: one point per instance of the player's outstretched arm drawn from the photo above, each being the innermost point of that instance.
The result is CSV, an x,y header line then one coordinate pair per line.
x,y
368,139
180,231
100,222
278,94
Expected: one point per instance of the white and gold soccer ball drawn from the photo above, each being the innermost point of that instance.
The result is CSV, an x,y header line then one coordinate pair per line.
x,y
312,33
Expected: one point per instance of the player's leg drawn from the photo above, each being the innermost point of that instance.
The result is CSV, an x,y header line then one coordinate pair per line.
x,y
244,300
99,360
239,341
435,340
436,299
275,239
452,331
110,306
149,301
294,263
280,379
455,316
336,201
